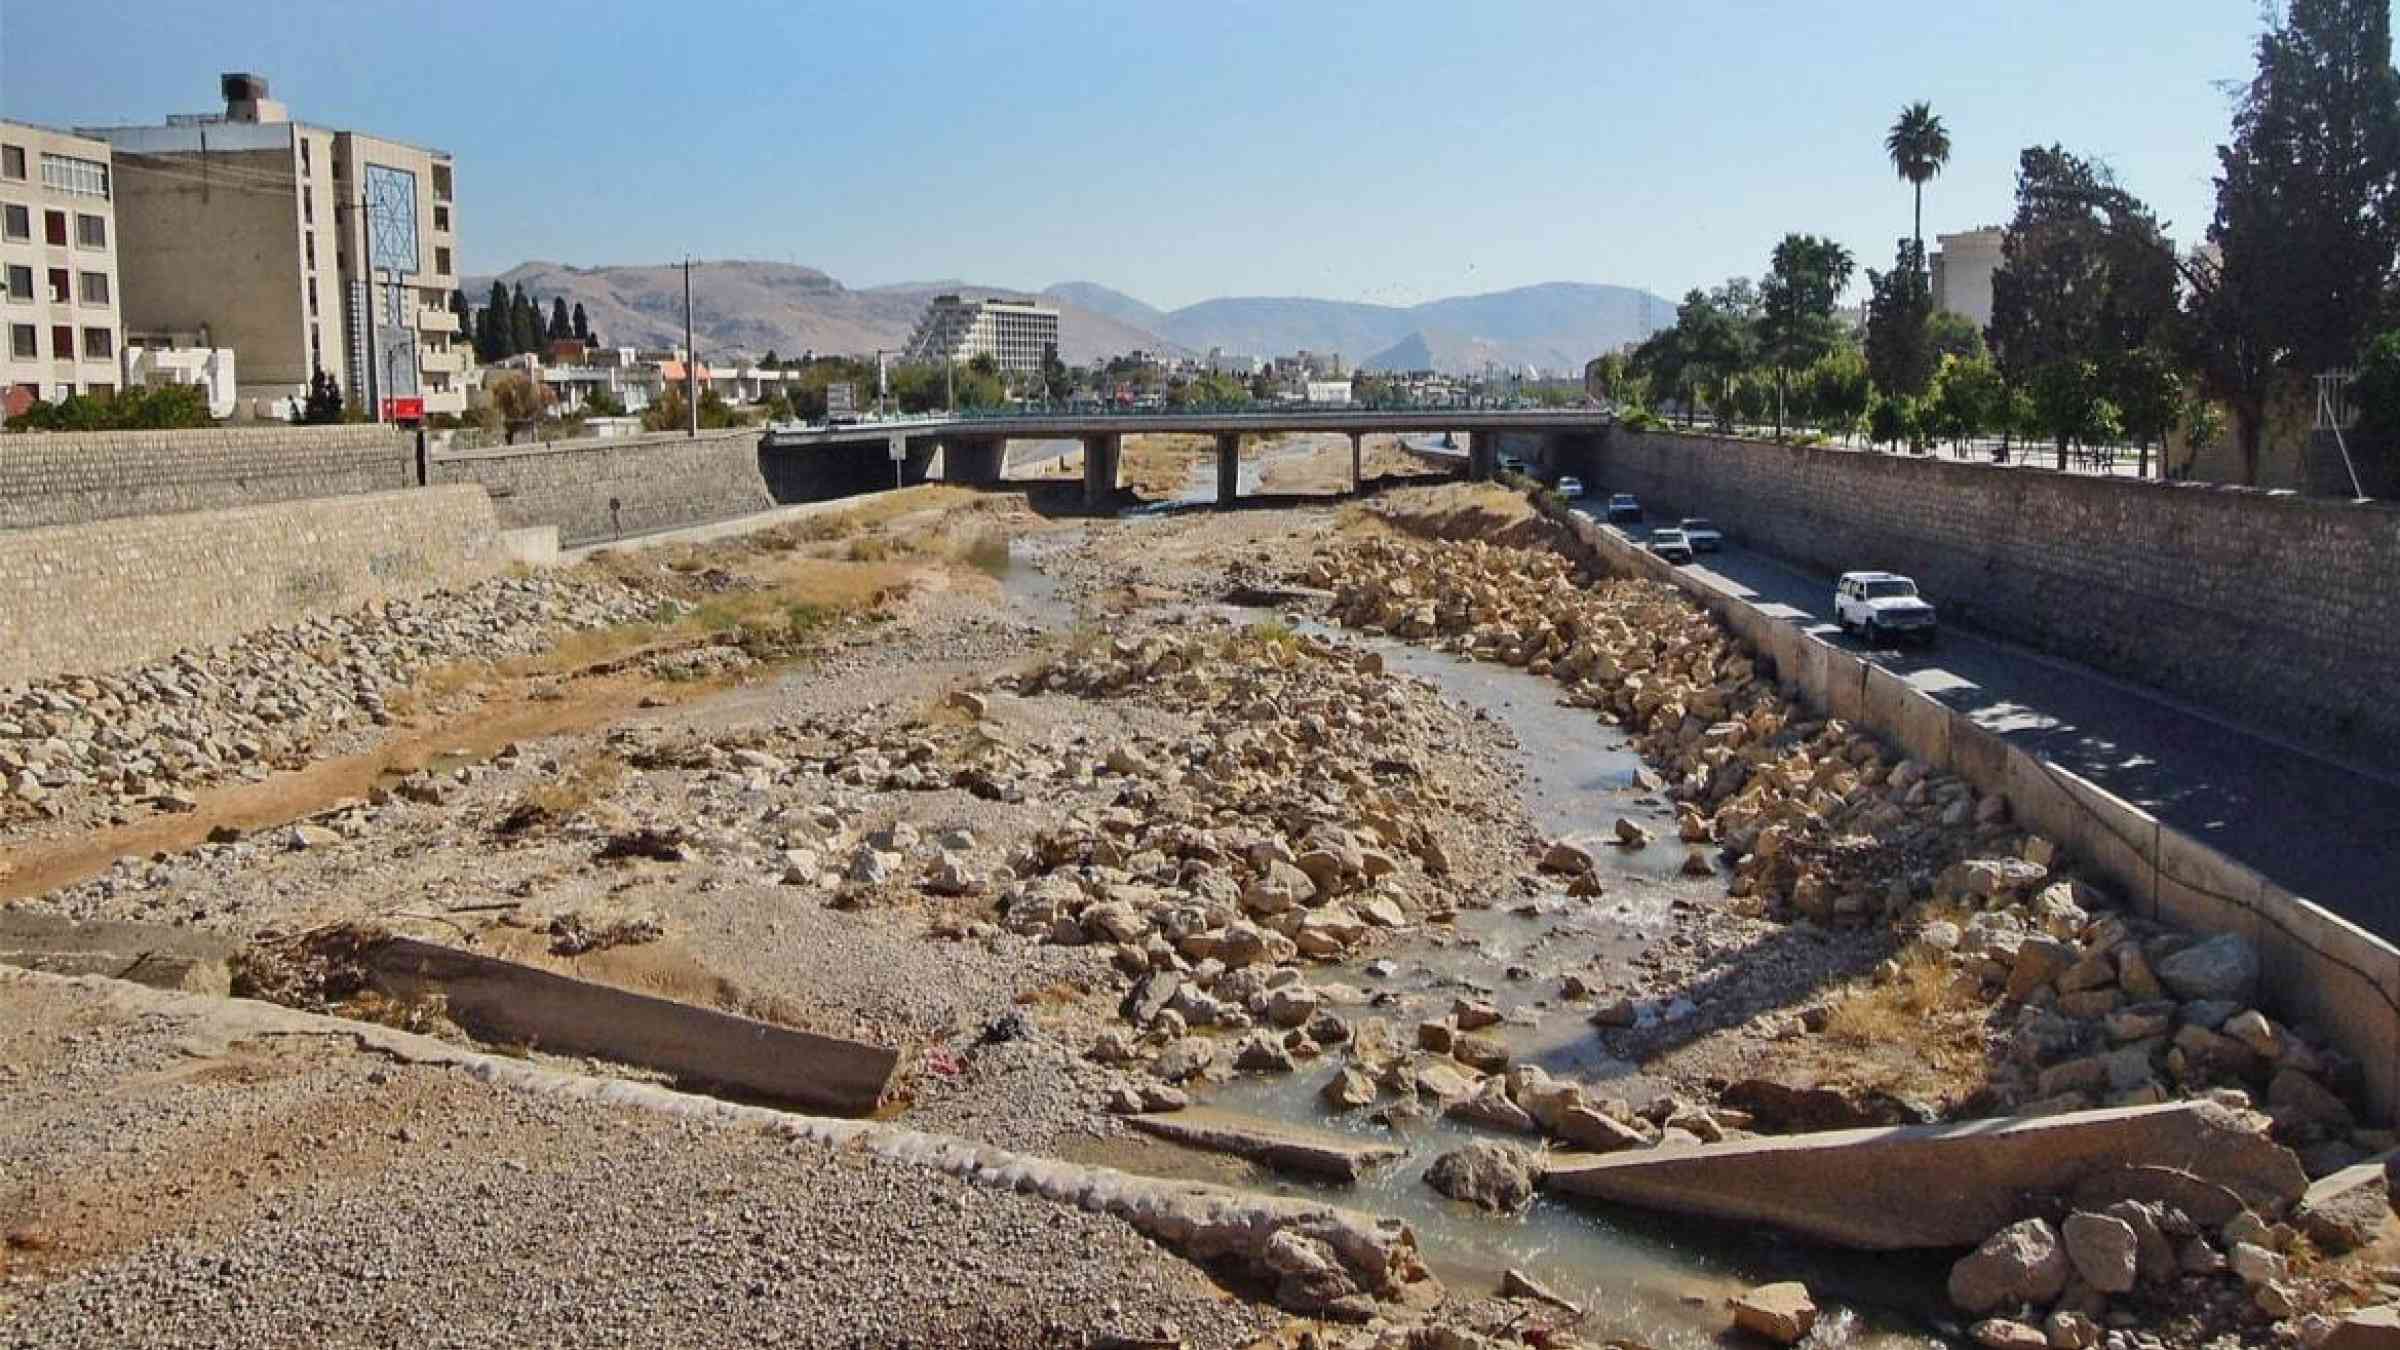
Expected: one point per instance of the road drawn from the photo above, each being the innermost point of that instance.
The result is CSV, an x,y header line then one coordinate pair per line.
x,y
2321,829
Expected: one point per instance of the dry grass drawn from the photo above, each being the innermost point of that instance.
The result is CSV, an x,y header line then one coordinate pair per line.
x,y
1160,465
434,684
1453,511
590,779
1920,1033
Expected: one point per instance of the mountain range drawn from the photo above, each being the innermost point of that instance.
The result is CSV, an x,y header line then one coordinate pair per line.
x,y
751,307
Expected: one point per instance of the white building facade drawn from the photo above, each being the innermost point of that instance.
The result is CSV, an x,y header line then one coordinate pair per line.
x,y
1016,333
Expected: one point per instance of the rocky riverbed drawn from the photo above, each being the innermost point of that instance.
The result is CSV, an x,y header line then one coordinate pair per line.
x,y
1103,819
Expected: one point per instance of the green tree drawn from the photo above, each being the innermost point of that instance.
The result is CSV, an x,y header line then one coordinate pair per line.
x,y
603,403
1900,356
1969,396
465,314
1955,335
324,404
2146,387
1888,420
1919,146
495,336
2308,209
1056,382
581,325
561,328
524,323
1796,325
1840,391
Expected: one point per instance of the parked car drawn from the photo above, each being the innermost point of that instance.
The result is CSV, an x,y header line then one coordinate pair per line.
x,y
1570,488
1624,510
1881,605
1671,545
1511,464
1702,532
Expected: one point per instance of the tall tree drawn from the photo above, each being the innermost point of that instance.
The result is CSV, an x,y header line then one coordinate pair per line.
x,y
495,337
2086,273
2308,209
1919,146
1900,355
560,328
582,325
1796,326
525,322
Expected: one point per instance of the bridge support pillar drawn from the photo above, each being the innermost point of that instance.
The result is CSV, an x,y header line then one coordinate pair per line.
x,y
1229,467
1101,456
1358,461
1483,455
980,462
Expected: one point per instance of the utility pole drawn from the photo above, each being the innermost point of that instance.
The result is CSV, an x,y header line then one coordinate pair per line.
x,y
691,359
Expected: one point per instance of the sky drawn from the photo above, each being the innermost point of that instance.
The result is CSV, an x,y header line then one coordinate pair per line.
x,y
1393,153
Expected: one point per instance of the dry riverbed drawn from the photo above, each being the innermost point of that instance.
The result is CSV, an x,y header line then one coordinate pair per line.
x,y
1378,818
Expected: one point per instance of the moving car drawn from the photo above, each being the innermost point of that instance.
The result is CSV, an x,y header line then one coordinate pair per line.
x,y
1623,509
1570,488
1511,464
1671,545
1881,605
1702,532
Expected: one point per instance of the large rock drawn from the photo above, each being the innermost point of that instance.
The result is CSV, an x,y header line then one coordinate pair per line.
x,y
1496,1176
2344,1211
1782,1313
2103,1250
2367,1329
1939,1185
2223,967
2022,1263
1293,1148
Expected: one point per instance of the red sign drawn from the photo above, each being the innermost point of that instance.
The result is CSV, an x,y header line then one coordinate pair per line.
x,y
404,409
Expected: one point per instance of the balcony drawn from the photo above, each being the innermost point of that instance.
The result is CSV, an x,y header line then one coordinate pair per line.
x,y
449,362
436,321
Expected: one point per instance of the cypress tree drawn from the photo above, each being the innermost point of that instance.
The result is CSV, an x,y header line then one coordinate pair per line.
x,y
559,328
493,339
583,326
525,323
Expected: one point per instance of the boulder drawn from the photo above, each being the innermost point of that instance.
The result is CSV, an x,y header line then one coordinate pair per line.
x,y
2103,1250
2001,1333
1630,833
1782,1313
2346,1210
1597,1131
1495,1176
2022,1263
1186,1058
2367,1329
1568,857
2072,1331
1347,1090
2222,967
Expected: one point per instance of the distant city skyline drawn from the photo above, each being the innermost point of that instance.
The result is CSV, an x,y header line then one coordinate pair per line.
x,y
1392,156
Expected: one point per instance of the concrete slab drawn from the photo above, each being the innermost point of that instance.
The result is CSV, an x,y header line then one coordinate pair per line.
x,y
151,954
524,1005
1931,1185
1294,1148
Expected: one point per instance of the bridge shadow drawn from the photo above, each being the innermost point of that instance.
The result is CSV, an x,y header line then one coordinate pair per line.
x,y
1059,499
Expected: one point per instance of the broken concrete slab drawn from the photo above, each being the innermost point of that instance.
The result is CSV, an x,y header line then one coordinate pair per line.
x,y
2344,1211
522,1005
1933,1185
2367,1329
1295,1148
161,957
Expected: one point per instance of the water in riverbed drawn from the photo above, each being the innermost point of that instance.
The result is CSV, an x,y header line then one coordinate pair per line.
x,y
1659,1281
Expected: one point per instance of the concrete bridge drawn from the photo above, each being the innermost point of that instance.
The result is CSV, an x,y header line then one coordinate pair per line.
x,y
974,447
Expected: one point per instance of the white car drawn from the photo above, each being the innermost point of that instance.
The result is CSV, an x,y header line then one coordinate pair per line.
x,y
1671,545
1881,605
1702,532
1570,488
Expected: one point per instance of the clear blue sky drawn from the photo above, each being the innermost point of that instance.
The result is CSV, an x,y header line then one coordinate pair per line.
x,y
1393,152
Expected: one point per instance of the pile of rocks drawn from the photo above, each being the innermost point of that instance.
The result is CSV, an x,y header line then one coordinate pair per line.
x,y
268,699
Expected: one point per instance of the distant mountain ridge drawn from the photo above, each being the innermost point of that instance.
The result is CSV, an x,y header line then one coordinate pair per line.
x,y
749,307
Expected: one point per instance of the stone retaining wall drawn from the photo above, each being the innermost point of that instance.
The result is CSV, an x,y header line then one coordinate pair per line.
x,y
120,592
72,478
2275,609
597,490
2317,967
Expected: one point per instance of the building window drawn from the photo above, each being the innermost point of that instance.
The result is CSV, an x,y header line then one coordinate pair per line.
x,y
441,262
305,167
316,347
312,297
22,343
441,217
101,389
12,162
441,182
308,208
99,344
54,228
19,222
59,294
62,342
95,288
81,177
20,283
312,249
91,231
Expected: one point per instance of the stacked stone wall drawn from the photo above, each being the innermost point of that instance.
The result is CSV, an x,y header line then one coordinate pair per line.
x,y
597,490
73,478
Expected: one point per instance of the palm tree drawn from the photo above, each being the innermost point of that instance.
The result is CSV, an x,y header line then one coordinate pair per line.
x,y
1919,146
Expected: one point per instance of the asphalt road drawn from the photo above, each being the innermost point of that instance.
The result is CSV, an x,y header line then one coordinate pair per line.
x,y
2321,829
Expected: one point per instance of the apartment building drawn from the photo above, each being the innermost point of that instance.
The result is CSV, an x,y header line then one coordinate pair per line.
x,y
299,247
58,242
1016,333
1962,272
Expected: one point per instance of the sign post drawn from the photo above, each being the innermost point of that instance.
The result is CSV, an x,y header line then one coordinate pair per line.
x,y
899,444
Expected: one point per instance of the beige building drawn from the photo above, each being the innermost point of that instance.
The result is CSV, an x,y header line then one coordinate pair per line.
x,y
1962,272
297,246
58,241
1015,333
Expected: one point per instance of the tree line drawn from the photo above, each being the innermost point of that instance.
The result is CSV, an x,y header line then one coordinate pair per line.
x,y
2102,331
510,323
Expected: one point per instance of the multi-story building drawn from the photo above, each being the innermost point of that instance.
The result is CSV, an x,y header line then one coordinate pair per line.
x,y
1223,362
1016,333
1962,272
300,247
58,241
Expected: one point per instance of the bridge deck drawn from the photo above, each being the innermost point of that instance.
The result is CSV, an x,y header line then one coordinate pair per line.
x,y
1069,425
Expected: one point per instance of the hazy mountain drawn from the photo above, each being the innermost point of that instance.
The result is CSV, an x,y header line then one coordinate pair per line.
x,y
750,307
1558,325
